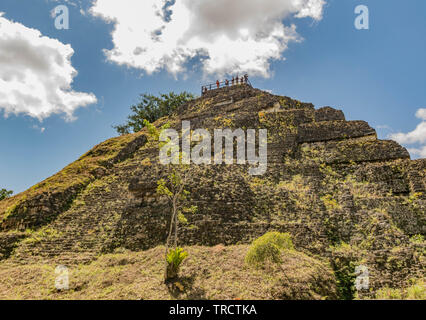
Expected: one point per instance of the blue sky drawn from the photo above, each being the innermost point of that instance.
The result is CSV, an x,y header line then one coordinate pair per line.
x,y
377,75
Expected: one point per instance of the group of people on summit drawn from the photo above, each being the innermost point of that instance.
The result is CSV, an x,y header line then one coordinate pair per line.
x,y
235,81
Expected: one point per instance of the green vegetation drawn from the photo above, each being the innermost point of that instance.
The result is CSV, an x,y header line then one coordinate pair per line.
x,y
417,291
418,238
174,260
42,234
268,248
173,188
154,133
5,194
330,203
344,263
345,274
152,108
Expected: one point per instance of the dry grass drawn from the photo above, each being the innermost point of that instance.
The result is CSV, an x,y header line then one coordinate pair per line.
x,y
208,273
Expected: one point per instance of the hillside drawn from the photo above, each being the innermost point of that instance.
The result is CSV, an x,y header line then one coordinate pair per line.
x,y
346,198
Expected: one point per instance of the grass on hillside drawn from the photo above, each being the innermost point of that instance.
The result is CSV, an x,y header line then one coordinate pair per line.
x,y
208,273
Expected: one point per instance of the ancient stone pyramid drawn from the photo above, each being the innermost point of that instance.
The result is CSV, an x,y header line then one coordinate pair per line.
x,y
343,194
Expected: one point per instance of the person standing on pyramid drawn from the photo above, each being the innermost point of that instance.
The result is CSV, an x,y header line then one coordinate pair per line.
x,y
217,84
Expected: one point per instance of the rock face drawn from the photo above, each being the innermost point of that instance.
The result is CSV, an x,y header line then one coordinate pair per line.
x,y
343,194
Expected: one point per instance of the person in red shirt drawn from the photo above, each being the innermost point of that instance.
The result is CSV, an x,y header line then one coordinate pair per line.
x,y
218,83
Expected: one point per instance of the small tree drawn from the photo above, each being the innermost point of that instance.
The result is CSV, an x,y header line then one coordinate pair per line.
x,y
173,186
152,108
5,194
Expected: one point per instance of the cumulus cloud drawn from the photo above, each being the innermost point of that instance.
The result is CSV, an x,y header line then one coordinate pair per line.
x,y
227,36
36,74
415,137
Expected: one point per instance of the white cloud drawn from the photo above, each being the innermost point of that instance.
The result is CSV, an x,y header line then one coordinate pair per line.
x,y
421,152
421,114
228,36
417,136
36,74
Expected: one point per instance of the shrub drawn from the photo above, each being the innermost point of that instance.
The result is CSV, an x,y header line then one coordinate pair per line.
x,y
174,261
345,276
268,248
344,260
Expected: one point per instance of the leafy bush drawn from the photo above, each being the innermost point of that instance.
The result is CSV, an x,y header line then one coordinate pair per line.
x,y
174,261
344,260
268,248
345,276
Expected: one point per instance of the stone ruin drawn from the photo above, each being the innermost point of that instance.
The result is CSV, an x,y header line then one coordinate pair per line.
x,y
343,194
